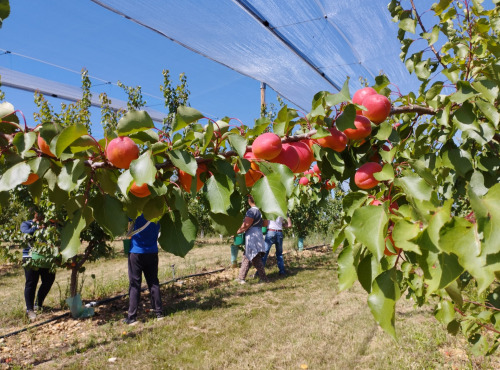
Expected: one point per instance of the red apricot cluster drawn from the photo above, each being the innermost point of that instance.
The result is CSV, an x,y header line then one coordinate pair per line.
x,y
378,107
297,156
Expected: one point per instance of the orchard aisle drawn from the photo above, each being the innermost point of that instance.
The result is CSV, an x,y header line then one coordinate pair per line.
x,y
300,321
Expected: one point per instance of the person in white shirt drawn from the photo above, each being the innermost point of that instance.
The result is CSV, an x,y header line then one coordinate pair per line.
x,y
275,236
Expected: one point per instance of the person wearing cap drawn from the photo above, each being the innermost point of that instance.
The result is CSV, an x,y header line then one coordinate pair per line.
x,y
143,258
274,236
34,273
254,242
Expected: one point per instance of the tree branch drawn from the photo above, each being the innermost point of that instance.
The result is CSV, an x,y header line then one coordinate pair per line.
x,y
413,109
423,29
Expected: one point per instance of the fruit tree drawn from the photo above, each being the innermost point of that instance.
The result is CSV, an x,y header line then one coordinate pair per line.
x,y
435,171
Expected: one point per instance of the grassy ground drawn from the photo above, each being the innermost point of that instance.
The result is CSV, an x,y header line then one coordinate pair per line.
x,y
300,321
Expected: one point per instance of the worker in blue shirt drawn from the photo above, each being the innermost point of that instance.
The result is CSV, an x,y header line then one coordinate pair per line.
x,y
143,258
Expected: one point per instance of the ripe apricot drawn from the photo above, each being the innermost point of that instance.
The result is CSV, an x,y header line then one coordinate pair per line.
x,y
121,151
310,143
31,179
267,146
337,141
359,95
306,156
44,147
185,178
378,108
253,174
140,191
289,157
329,185
304,181
364,175
363,128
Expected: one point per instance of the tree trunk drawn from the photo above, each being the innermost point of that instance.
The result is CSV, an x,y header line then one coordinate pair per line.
x,y
73,282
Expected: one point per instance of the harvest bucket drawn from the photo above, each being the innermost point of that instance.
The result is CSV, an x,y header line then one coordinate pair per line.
x,y
39,260
126,246
239,239
264,230
300,244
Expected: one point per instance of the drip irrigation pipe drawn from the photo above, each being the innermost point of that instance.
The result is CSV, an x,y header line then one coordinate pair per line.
x,y
34,326
104,301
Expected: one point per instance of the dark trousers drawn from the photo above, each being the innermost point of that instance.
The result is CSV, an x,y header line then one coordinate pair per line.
x,y
32,277
138,264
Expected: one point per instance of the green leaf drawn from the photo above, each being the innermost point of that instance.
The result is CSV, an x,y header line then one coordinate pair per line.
x,y
239,143
225,224
185,116
70,236
464,92
368,270
460,237
143,137
183,161
4,9
270,196
287,177
109,214
487,213
342,96
369,225
219,189
423,171
479,343
68,136
382,300
346,269
408,25
24,141
107,180
458,159
83,143
143,169
386,174
489,111
384,131
423,70
72,175
177,235
433,36
228,224
10,122
319,110
14,176
489,90
154,209
455,294
207,137
414,187
404,234
352,201
445,312
346,119
134,121
381,82
441,6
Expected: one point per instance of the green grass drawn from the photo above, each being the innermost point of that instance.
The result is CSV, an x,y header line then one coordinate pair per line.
x,y
212,323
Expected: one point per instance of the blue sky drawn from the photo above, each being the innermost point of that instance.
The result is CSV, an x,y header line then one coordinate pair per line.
x,y
81,34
